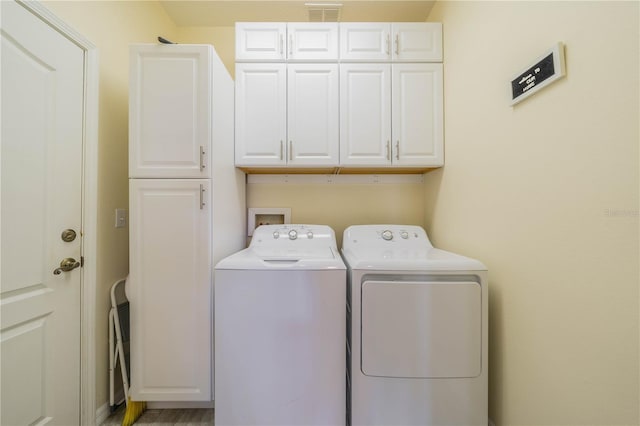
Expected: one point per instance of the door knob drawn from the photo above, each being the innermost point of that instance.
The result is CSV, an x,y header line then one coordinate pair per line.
x,y
67,264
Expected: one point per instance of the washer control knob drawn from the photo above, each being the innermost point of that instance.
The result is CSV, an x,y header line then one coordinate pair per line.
x,y
404,235
387,235
310,235
276,235
293,234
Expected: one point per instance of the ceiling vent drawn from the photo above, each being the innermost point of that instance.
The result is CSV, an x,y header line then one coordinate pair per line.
x,y
324,12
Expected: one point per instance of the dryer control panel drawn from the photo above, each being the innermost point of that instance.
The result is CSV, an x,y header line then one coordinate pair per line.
x,y
383,235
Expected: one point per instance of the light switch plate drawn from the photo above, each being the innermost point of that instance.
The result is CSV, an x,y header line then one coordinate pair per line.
x,y
121,218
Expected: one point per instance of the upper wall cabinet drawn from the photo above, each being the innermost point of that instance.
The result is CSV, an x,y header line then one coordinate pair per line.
x,y
170,111
361,97
293,42
397,42
391,115
286,115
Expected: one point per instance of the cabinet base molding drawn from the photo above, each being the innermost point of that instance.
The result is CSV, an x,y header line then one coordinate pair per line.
x,y
337,170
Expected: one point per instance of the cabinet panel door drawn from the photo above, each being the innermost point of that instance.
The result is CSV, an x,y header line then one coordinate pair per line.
x,y
261,41
313,114
365,41
417,42
170,111
417,114
170,289
261,121
365,114
312,41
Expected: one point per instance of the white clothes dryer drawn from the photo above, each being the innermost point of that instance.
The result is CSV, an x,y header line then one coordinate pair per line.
x,y
417,330
280,337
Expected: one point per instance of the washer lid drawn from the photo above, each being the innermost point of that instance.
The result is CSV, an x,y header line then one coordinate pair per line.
x,y
288,247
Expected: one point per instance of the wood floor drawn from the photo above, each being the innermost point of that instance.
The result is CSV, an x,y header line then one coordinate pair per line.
x,y
190,417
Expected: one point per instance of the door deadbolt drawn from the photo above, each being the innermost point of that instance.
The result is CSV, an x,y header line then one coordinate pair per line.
x,y
68,235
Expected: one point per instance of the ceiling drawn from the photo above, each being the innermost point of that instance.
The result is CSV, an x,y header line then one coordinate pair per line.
x,y
224,13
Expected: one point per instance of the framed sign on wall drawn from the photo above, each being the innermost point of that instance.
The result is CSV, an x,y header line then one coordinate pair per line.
x,y
545,70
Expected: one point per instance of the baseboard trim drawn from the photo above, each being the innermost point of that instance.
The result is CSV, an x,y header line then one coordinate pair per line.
x,y
102,413
179,404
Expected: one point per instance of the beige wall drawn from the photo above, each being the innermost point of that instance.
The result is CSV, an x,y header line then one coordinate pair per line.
x,y
340,205
546,194
112,26
222,39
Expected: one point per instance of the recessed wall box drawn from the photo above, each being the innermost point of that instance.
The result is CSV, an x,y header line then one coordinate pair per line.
x,y
267,216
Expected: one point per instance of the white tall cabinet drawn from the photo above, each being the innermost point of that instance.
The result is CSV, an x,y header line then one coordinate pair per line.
x,y
187,211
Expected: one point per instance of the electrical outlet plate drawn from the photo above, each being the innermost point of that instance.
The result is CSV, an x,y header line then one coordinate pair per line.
x,y
267,216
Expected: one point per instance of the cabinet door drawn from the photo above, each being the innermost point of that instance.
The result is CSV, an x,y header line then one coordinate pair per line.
x,y
261,41
261,122
365,41
365,114
313,114
170,289
312,41
417,114
170,111
417,42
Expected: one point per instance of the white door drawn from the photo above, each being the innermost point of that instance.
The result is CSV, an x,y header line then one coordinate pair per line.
x,y
170,111
312,115
261,41
41,151
312,41
417,41
170,290
261,108
416,119
365,41
426,329
365,114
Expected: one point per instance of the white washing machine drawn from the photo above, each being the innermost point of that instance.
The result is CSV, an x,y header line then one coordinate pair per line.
x,y
280,330
417,330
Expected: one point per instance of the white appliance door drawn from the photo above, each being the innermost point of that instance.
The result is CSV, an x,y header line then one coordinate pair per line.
x,y
280,347
428,329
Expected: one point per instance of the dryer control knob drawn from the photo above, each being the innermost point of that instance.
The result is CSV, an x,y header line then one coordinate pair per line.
x,y
293,234
404,235
276,235
309,235
387,235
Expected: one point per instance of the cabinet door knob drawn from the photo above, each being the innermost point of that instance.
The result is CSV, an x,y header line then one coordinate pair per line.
x,y
290,150
397,150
